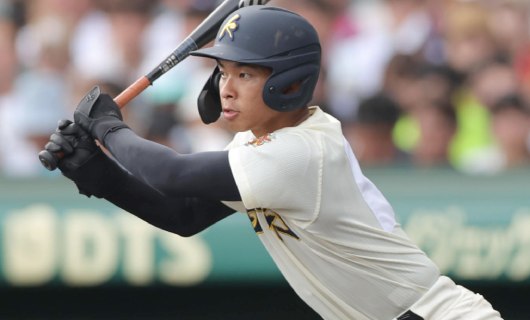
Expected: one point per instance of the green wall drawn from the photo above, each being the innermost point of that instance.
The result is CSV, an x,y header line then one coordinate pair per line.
x,y
475,228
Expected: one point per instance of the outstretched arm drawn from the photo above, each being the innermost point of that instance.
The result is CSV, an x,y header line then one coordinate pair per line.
x,y
185,216
96,174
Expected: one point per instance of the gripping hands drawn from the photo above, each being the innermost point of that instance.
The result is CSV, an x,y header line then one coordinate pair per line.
x,y
74,145
95,116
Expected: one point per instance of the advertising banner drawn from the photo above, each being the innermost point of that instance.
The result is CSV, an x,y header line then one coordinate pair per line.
x,y
474,228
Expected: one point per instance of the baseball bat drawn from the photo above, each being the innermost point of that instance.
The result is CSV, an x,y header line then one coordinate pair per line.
x,y
199,37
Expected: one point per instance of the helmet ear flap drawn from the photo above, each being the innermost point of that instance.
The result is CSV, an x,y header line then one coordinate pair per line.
x,y
276,96
209,101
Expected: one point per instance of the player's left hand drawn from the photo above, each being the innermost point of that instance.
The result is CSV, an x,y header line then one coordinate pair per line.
x,y
98,114
74,143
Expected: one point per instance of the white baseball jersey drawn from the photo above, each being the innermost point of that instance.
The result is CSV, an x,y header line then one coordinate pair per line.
x,y
330,231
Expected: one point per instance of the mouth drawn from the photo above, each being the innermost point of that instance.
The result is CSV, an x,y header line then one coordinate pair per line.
x,y
230,114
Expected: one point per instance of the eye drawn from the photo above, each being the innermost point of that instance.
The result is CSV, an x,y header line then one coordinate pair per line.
x,y
223,74
245,75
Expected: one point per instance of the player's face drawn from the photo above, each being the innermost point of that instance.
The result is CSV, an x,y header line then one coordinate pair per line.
x,y
241,91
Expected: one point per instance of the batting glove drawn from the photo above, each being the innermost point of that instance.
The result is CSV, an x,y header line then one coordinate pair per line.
x,y
74,143
98,114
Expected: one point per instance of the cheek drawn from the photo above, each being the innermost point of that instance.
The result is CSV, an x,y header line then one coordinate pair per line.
x,y
259,112
252,100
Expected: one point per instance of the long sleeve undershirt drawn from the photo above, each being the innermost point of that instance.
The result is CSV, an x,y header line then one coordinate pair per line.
x,y
177,193
204,174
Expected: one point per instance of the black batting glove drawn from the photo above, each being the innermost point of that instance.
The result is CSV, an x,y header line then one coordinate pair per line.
x,y
99,115
59,143
76,145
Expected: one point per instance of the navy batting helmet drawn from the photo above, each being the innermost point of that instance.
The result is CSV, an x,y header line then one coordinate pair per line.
x,y
270,37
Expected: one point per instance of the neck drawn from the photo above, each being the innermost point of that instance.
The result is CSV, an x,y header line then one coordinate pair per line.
x,y
284,120
304,114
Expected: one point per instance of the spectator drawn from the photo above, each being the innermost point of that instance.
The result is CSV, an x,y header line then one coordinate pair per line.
x,y
467,34
160,126
487,83
493,80
420,88
510,20
469,43
427,121
511,129
371,133
401,80
436,120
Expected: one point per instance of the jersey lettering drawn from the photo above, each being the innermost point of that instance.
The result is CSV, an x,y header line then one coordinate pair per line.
x,y
274,223
253,216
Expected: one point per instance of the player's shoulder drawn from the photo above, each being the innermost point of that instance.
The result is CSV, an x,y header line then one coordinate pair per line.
x,y
279,144
281,148
306,135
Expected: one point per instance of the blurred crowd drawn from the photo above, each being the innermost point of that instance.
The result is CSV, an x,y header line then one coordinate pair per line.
x,y
425,83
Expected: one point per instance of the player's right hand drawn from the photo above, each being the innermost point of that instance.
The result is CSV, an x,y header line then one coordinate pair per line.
x,y
76,145
98,114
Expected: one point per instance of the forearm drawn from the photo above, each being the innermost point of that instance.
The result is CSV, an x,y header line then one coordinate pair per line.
x,y
205,175
185,216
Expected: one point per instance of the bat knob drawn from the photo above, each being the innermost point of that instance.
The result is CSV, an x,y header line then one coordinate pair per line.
x,y
48,160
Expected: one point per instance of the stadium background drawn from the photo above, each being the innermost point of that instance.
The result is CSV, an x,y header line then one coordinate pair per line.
x,y
457,177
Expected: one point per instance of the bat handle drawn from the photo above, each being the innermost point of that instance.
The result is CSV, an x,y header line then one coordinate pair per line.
x,y
132,91
49,159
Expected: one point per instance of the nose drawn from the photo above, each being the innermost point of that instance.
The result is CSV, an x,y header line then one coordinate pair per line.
x,y
226,88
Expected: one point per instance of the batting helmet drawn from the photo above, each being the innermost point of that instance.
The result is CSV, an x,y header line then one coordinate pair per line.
x,y
270,37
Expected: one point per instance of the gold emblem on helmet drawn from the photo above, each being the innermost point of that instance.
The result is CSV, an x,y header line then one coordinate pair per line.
x,y
230,27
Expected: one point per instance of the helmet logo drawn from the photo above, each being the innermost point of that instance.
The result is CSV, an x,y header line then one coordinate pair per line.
x,y
229,27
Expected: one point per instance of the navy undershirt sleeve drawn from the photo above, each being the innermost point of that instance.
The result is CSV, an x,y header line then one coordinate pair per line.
x,y
205,174
102,177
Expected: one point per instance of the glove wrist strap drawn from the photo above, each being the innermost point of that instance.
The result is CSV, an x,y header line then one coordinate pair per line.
x,y
106,125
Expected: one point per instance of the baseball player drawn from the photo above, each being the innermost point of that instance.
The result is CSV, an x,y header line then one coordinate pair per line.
x,y
330,231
